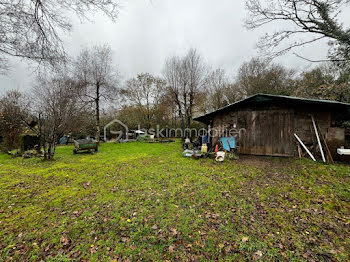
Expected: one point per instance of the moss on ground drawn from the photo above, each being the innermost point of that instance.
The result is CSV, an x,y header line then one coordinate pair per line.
x,y
140,201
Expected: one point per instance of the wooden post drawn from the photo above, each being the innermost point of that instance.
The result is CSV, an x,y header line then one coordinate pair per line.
x,y
299,151
318,138
307,150
330,158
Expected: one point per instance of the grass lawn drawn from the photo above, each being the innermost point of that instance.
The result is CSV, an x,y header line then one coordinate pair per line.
x,y
146,202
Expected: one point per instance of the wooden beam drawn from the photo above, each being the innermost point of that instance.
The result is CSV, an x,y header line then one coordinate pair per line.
x,y
299,151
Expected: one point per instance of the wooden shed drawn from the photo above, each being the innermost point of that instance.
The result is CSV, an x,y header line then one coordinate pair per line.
x,y
266,124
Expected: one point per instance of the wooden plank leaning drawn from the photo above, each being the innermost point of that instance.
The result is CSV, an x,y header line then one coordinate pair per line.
x,y
302,144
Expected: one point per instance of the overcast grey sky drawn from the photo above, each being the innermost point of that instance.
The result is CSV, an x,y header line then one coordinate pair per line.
x,y
147,32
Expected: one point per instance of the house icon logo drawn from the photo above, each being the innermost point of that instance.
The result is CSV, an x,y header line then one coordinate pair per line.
x,y
118,134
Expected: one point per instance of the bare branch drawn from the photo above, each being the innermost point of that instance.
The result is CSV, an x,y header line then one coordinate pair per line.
x,y
320,60
31,29
314,17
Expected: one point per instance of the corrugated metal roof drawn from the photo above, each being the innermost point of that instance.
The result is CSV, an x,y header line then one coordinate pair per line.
x,y
268,97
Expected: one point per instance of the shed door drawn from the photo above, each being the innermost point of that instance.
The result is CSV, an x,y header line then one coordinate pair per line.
x,y
268,132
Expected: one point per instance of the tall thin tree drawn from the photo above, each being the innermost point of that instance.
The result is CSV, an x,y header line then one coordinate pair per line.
x,y
97,77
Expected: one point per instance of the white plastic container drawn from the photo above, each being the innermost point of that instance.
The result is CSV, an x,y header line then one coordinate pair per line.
x,y
343,152
220,156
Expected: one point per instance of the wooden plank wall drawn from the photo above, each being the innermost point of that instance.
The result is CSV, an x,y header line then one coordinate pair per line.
x,y
303,124
268,132
305,129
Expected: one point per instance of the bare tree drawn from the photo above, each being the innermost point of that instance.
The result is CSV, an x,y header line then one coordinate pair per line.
x,y
185,78
325,81
172,76
144,92
196,71
98,80
234,93
260,76
216,85
31,28
13,107
4,66
315,18
55,108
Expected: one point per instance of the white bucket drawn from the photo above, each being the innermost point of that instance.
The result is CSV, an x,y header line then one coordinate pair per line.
x,y
220,156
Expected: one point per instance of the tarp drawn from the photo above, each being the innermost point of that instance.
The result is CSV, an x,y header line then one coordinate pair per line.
x,y
228,143
63,140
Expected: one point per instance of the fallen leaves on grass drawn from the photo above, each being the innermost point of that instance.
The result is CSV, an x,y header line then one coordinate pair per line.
x,y
173,231
171,249
65,240
245,239
93,249
185,210
257,255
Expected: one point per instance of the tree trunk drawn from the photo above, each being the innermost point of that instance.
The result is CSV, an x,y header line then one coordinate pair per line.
x,y
190,110
182,125
49,146
182,120
45,151
97,106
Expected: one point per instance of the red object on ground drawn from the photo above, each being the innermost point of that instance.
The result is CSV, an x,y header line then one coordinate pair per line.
x,y
216,149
